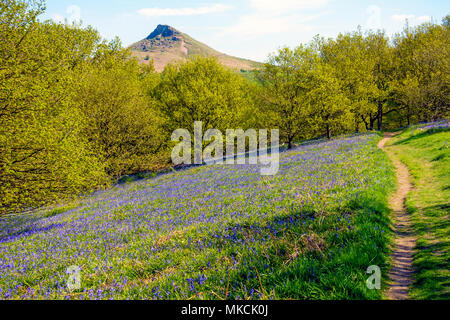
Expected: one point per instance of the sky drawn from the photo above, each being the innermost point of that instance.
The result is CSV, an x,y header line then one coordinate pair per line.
x,y
250,29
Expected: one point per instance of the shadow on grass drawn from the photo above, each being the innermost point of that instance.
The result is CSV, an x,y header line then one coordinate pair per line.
x,y
26,224
311,254
28,231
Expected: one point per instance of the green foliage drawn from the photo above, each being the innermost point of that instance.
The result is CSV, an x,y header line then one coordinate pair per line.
x,y
77,112
422,78
359,79
42,153
362,63
74,110
202,90
285,85
121,120
330,107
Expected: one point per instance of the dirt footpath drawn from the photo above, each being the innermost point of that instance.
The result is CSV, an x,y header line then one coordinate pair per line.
x,y
401,275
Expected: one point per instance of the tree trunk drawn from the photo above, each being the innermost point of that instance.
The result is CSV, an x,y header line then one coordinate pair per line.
x,y
372,123
380,116
328,132
365,123
380,121
408,116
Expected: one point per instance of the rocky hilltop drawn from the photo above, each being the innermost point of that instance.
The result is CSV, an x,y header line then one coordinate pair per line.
x,y
167,45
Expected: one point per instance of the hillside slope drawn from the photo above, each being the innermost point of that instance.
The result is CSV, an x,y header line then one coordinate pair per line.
x,y
215,232
425,150
167,45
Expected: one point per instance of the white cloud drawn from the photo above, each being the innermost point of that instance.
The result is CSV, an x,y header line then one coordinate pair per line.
x,y
159,12
411,18
275,17
423,19
73,15
254,25
281,6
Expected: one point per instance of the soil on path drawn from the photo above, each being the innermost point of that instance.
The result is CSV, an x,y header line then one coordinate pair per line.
x,y
401,274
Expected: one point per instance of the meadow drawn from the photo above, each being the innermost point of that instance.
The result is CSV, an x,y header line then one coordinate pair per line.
x,y
80,119
215,232
425,150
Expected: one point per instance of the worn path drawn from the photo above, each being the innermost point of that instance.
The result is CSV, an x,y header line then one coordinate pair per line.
x,y
401,274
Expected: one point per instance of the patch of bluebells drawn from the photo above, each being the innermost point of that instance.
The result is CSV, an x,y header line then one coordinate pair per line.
x,y
433,126
178,234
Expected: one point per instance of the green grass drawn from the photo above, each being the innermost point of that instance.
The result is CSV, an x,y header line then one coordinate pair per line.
x,y
216,232
427,155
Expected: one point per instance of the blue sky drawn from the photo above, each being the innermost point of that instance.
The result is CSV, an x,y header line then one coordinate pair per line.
x,y
245,28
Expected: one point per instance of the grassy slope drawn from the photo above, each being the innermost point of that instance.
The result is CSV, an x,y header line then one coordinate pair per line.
x,y
213,233
427,154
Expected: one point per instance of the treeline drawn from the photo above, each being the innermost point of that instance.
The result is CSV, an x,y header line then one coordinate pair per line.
x,y
77,112
74,110
360,81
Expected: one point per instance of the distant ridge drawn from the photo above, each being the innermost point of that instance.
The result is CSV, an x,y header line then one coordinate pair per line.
x,y
167,45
